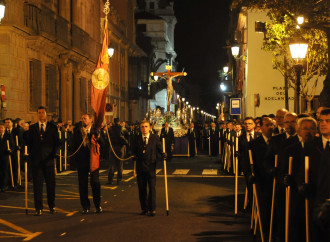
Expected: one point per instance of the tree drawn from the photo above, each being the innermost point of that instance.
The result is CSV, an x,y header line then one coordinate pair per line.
x,y
316,30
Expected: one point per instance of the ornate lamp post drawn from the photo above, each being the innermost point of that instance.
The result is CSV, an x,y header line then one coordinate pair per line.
x,y
298,52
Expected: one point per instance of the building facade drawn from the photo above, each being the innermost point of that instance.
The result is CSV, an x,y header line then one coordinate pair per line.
x,y
259,85
48,52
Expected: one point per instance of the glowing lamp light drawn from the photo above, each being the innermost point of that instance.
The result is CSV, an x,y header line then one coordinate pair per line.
x,y
298,50
235,50
225,69
300,20
156,78
223,87
111,51
2,9
183,99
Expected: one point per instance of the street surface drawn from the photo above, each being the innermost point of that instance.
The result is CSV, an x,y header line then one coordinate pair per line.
x,y
201,204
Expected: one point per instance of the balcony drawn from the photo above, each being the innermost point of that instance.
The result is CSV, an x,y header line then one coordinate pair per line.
x,y
46,23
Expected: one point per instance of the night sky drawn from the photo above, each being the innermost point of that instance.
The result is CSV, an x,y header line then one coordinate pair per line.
x,y
200,38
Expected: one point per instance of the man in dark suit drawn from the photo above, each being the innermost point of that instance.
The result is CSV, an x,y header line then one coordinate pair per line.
x,y
82,136
146,148
279,121
168,134
119,143
43,142
19,142
214,139
4,158
243,156
10,132
306,130
263,181
278,143
192,139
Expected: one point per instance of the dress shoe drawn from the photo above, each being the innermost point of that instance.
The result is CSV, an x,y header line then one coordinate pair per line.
x,y
99,210
152,213
85,211
143,212
38,212
52,210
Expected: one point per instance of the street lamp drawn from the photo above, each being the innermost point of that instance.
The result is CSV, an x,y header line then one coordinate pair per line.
x,y
111,50
298,51
2,9
225,69
223,87
235,50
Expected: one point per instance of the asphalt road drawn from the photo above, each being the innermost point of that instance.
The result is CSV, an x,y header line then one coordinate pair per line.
x,y
201,208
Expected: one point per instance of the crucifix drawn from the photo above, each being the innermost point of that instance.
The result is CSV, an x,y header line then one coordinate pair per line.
x,y
168,75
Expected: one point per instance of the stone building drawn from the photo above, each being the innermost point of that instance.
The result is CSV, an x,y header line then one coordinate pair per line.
x,y
48,52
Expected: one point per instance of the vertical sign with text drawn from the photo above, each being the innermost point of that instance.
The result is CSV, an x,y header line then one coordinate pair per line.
x,y
235,106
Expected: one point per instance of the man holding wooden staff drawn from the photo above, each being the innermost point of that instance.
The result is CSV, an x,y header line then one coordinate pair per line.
x,y
146,148
306,130
4,159
43,142
259,148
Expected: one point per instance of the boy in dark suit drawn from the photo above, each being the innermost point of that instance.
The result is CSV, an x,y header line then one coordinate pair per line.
x,y
146,148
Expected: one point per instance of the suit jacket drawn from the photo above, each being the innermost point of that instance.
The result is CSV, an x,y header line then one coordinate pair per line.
x,y
169,137
261,165
147,161
42,151
243,153
82,157
4,146
192,135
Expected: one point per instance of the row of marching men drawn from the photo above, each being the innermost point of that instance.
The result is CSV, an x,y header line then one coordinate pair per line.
x,y
287,176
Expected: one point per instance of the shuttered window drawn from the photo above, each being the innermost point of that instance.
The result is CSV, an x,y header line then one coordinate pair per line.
x,y
35,84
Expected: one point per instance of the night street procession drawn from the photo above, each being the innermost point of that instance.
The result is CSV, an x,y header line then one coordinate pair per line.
x,y
165,120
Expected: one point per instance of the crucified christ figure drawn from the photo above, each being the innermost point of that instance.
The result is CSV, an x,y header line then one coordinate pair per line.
x,y
168,75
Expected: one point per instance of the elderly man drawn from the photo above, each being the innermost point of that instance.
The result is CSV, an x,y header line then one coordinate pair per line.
x,y
279,121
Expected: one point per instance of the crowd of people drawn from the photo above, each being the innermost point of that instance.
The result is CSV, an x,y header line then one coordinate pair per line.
x,y
274,141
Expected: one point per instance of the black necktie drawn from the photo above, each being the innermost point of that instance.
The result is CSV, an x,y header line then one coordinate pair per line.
x,y
327,145
145,141
251,138
42,131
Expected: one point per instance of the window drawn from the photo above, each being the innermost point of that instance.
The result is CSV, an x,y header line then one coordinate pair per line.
x,y
51,88
35,84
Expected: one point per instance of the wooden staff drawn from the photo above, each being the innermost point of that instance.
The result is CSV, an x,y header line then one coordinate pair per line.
x,y
195,144
19,179
219,146
65,149
273,202
134,170
232,138
255,194
287,204
26,180
60,136
306,199
209,142
10,165
245,198
165,179
236,174
252,211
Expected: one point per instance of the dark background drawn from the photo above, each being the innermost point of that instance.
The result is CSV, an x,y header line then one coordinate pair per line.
x,y
200,39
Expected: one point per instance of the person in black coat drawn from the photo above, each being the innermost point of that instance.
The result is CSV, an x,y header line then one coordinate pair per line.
x,y
168,134
192,134
43,143
82,136
243,156
4,158
119,143
213,134
146,148
263,181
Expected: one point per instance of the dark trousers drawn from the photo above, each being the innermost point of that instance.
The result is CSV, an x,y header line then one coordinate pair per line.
x,y
192,148
147,179
39,173
116,164
83,187
4,172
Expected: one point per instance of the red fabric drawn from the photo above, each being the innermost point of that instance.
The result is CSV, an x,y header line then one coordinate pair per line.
x,y
95,154
98,98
